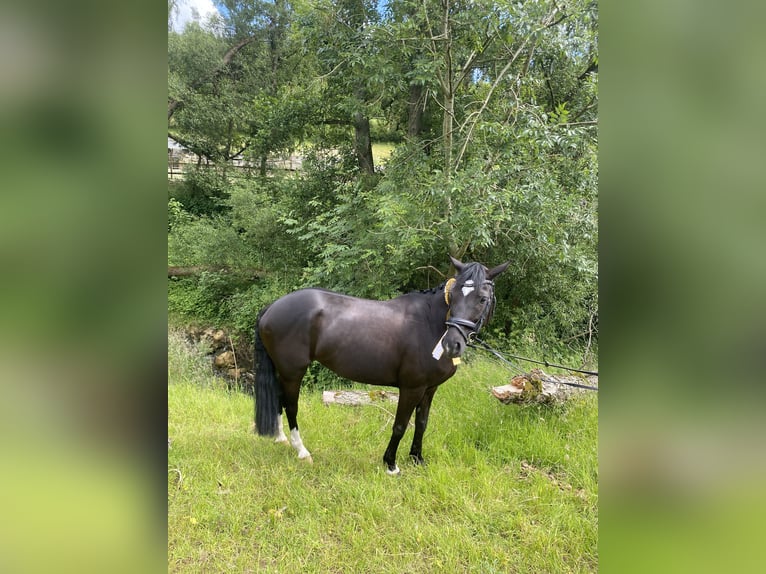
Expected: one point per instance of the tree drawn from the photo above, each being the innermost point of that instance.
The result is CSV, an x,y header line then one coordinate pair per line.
x,y
342,35
233,94
495,105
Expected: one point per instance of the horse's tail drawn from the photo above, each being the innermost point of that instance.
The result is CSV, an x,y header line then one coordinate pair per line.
x,y
268,407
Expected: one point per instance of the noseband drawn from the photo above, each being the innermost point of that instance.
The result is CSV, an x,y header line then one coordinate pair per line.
x,y
462,324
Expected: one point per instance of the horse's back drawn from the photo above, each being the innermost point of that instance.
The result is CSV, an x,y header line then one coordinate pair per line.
x,y
290,314
360,339
301,307
292,303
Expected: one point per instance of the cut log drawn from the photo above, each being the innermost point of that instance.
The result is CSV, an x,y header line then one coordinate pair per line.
x,y
356,398
540,387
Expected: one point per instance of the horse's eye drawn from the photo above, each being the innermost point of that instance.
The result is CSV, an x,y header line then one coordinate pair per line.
x,y
484,299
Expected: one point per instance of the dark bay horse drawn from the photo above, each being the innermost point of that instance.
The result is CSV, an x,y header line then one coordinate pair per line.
x,y
411,342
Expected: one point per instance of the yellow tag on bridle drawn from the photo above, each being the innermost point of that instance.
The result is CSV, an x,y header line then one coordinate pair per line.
x,y
456,361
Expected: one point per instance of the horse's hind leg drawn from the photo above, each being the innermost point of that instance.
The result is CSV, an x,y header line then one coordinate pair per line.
x,y
281,437
290,391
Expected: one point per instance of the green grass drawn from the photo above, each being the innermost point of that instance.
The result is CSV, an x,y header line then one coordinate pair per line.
x,y
506,488
381,151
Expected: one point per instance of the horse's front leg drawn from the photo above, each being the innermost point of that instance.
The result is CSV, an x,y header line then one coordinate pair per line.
x,y
421,422
407,401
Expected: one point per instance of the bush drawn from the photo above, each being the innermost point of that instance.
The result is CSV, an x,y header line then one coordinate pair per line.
x,y
203,298
203,190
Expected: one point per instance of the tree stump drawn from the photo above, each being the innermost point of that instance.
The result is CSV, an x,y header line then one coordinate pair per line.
x,y
540,387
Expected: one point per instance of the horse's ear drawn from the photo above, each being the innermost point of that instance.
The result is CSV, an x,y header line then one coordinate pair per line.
x,y
495,271
456,262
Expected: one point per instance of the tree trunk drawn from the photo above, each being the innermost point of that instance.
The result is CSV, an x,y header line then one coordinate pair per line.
x,y
449,113
415,111
189,271
174,271
448,89
363,143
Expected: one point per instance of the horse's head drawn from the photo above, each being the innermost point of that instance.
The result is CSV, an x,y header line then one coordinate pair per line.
x,y
471,300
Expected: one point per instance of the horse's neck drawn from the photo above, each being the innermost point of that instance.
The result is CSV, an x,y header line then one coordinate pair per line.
x,y
438,308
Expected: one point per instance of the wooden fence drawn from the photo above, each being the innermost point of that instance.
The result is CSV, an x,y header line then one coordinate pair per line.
x,y
178,164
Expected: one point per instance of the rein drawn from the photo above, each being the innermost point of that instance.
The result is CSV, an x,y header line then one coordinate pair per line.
x,y
514,368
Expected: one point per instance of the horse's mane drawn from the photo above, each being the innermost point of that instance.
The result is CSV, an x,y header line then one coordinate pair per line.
x,y
432,290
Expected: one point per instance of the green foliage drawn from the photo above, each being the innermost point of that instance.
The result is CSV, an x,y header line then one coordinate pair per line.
x,y
177,215
496,158
192,55
202,191
241,308
348,257
258,261
208,241
239,92
202,299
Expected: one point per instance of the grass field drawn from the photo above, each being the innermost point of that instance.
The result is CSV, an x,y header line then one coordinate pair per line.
x,y
505,488
381,151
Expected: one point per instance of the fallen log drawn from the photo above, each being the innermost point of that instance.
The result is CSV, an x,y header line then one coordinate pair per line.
x,y
175,271
540,387
357,398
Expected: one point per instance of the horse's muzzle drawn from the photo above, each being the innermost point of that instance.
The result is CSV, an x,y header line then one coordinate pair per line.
x,y
453,347
454,342
459,334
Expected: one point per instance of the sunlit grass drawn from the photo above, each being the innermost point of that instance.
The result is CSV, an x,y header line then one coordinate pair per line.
x,y
506,488
381,151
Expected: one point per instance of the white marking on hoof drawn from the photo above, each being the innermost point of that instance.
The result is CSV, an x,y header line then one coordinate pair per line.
x,y
295,440
281,437
393,472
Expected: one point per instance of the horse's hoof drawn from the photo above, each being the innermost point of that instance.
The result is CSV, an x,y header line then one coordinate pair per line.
x,y
307,459
393,471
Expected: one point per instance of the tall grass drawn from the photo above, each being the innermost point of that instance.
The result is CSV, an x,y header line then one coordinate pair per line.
x,y
505,488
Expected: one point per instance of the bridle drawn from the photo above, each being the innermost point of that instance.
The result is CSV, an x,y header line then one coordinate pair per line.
x,y
462,324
